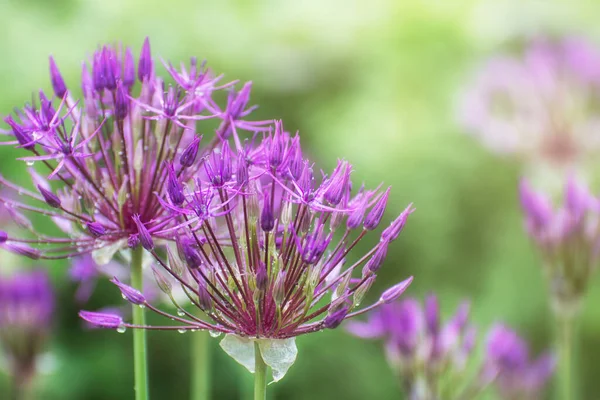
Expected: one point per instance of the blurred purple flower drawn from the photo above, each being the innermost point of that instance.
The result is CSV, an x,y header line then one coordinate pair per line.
x,y
26,310
541,105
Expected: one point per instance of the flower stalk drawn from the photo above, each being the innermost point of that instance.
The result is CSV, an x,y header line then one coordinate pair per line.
x,y
200,366
140,358
260,375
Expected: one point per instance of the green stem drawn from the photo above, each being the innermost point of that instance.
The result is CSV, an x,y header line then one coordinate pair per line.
x,y
200,366
565,346
140,361
260,375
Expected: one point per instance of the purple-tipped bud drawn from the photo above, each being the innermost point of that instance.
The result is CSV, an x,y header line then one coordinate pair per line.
x,y
128,69
277,146
392,232
98,76
432,315
130,294
191,256
145,237
96,229
145,62
338,184
376,261
279,287
162,281
174,188
241,175
3,236
336,317
58,84
188,157
24,138
355,218
102,320
393,293
50,198
374,216
133,241
110,67
537,207
23,250
267,219
121,103
262,279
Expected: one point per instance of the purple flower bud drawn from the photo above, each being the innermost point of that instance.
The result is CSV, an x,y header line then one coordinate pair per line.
x,y
262,279
3,236
98,74
145,64
121,103
506,349
128,69
432,315
50,198
188,157
279,287
145,237
102,320
392,232
191,256
537,207
174,188
241,175
133,241
23,137
393,293
277,146
296,162
338,183
336,317
356,217
23,250
58,84
376,261
267,220
162,282
130,294
96,229
374,217
110,67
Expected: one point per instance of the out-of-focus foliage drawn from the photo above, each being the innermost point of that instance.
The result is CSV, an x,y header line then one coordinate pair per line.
x,y
374,82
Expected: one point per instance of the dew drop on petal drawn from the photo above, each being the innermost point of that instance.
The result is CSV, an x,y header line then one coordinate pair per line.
x,y
121,329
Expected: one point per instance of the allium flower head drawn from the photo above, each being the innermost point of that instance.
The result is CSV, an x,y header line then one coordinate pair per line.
x,y
102,163
518,377
541,105
264,251
567,238
437,360
26,307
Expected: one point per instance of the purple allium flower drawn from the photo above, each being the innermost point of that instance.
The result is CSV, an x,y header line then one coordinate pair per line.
x,y
567,239
265,257
26,308
541,105
106,161
518,377
437,361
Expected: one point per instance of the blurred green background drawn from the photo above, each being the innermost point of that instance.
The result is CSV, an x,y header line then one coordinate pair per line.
x,y
374,82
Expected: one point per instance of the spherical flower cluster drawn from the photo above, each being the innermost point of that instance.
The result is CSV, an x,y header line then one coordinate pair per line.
x,y
106,160
437,361
541,105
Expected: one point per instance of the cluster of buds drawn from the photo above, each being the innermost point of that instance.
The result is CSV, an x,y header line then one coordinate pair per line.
x,y
540,106
567,239
264,249
113,155
26,308
436,361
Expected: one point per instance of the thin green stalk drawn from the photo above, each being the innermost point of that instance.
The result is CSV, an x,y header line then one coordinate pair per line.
x,y
565,347
200,366
140,362
260,375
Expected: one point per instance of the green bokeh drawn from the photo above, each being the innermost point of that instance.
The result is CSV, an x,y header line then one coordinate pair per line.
x,y
374,82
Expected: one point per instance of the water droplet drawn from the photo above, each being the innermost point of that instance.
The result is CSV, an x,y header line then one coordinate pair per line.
x,y
121,329
181,330
214,333
180,313
142,306
194,330
29,163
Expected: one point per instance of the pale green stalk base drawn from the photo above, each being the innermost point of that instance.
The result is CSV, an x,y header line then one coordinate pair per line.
x,y
565,348
200,366
260,375
140,363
